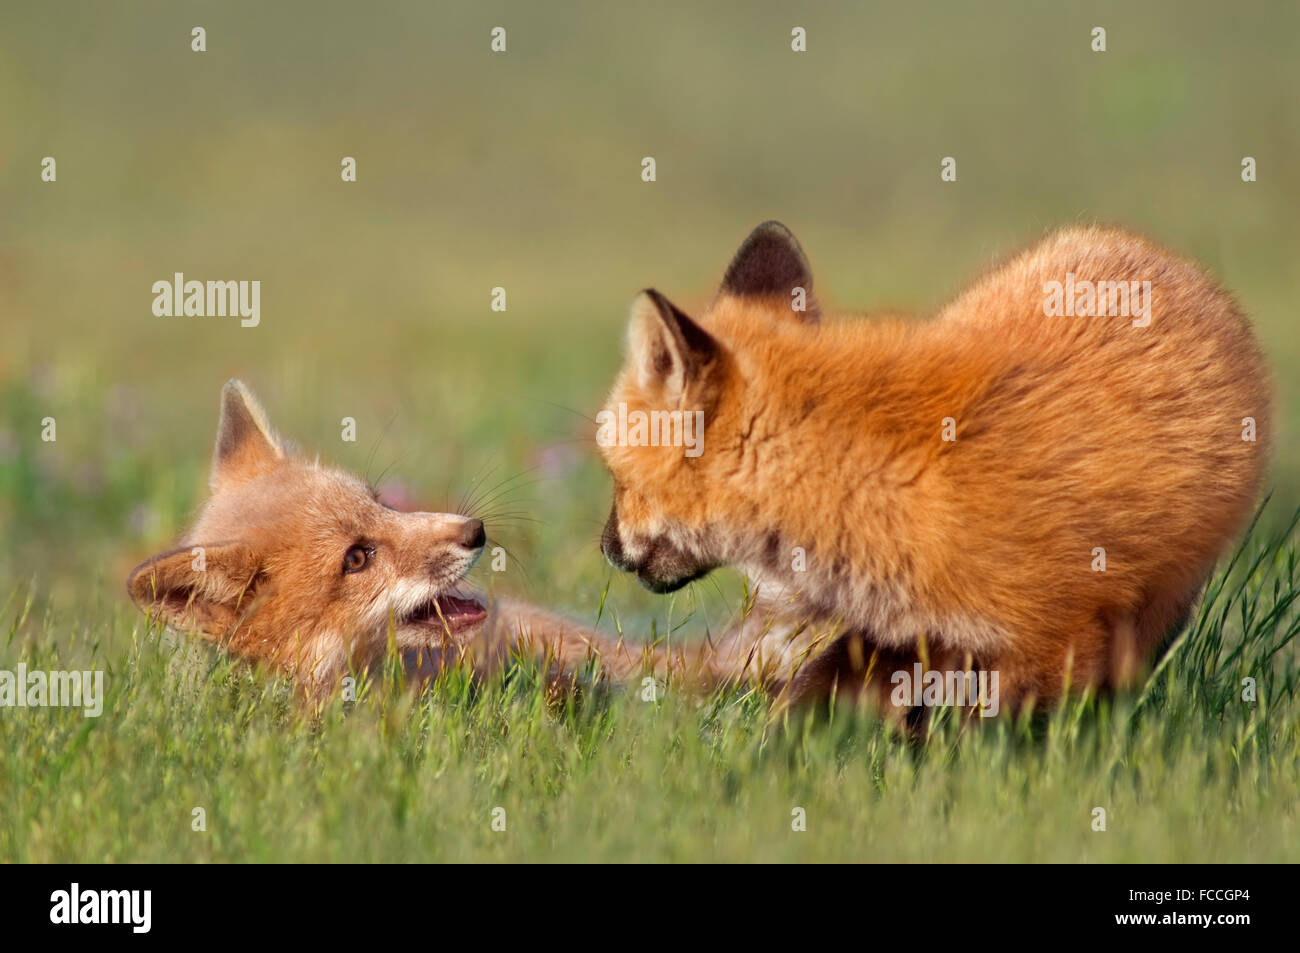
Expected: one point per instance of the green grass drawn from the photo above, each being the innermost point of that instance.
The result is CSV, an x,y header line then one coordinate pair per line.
x,y
1185,769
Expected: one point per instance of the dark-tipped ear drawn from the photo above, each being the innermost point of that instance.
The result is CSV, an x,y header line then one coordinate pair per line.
x,y
671,352
198,588
770,264
246,444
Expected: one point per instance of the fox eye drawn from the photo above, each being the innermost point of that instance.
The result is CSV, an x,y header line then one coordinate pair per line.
x,y
357,558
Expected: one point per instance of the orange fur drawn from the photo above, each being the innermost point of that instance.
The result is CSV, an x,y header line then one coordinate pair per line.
x,y
262,573
1072,433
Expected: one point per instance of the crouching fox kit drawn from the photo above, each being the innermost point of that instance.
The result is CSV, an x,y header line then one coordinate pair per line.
x,y
300,566
1022,485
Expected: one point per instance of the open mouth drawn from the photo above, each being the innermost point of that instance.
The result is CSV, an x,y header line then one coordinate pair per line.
x,y
453,613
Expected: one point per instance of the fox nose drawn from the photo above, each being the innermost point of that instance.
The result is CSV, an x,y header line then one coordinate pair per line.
x,y
612,546
472,534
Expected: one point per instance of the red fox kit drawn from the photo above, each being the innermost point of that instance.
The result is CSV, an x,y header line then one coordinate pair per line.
x,y
300,566
1036,482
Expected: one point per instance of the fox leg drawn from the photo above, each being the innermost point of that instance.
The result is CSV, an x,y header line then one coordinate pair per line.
x,y
855,669
1125,654
1137,637
1164,617
569,648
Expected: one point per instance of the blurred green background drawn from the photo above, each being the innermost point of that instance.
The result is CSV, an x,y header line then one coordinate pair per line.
x,y
522,170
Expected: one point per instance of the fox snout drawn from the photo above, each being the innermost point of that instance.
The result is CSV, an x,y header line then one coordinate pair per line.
x,y
437,530
441,546
612,546
472,534
660,564
448,534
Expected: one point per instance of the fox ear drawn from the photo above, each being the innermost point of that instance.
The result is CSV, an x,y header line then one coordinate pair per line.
x,y
770,264
670,351
246,444
198,588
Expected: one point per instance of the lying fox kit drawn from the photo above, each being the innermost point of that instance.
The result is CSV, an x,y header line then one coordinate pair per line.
x,y
300,566
1016,486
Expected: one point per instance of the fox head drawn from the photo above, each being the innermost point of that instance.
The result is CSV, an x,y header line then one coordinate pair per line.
x,y
301,565
682,509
